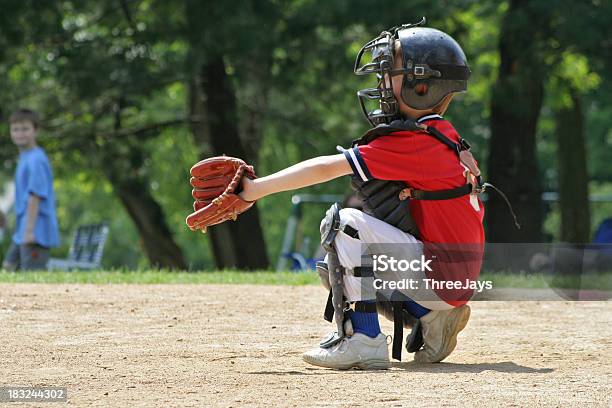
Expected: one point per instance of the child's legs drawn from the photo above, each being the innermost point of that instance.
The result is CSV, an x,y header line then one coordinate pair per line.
x,y
33,257
11,258
401,245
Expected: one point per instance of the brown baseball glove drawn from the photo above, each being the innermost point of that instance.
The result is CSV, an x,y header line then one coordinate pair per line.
x,y
216,183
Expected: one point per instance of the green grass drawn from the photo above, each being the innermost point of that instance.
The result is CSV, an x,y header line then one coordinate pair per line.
x,y
162,276
500,280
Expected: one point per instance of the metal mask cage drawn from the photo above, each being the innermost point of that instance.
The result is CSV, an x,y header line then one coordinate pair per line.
x,y
386,108
381,63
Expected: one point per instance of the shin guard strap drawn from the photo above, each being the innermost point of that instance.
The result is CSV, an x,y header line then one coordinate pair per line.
x,y
365,307
398,330
328,314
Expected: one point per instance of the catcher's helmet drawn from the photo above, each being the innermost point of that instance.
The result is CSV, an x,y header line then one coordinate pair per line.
x,y
433,66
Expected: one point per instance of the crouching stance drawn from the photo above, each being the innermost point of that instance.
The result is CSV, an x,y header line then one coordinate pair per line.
x,y
358,341
418,183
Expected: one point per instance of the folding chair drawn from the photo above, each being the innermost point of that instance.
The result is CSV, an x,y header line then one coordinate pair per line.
x,y
86,249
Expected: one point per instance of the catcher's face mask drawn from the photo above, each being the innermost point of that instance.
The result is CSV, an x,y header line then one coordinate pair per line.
x,y
381,63
433,65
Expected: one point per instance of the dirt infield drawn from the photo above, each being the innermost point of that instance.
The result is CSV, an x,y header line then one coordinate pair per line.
x,y
237,345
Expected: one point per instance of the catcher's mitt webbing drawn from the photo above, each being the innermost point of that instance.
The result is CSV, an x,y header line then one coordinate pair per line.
x,y
216,183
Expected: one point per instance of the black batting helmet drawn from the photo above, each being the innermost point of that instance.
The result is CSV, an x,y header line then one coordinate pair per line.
x,y
433,66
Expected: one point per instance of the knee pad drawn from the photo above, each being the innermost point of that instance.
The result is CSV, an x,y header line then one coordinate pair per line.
x,y
323,271
330,225
349,214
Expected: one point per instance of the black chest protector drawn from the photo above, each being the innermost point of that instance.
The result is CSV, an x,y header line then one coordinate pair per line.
x,y
389,200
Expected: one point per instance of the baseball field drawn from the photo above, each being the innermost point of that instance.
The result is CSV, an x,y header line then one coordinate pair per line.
x,y
234,345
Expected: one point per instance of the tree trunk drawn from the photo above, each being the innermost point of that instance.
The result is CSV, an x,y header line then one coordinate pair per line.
x,y
147,215
573,176
241,243
132,187
515,108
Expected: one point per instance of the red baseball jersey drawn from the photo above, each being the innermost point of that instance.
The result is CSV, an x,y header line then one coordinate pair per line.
x,y
425,163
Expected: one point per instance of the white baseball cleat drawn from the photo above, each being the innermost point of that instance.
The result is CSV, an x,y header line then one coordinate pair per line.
x,y
440,330
357,351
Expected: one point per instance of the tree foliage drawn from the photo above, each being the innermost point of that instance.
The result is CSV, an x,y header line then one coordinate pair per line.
x,y
119,84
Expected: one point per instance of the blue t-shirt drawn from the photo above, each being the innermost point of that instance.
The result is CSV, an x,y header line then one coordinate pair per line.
x,y
34,176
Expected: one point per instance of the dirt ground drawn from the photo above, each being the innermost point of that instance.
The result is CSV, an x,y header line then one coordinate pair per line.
x,y
224,345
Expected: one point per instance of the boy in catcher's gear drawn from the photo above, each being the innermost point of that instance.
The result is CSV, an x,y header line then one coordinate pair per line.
x,y
418,70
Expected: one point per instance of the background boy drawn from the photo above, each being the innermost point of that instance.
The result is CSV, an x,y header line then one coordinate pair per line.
x,y
36,228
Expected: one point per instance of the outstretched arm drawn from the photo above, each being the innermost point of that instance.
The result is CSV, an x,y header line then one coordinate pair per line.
x,y
304,174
